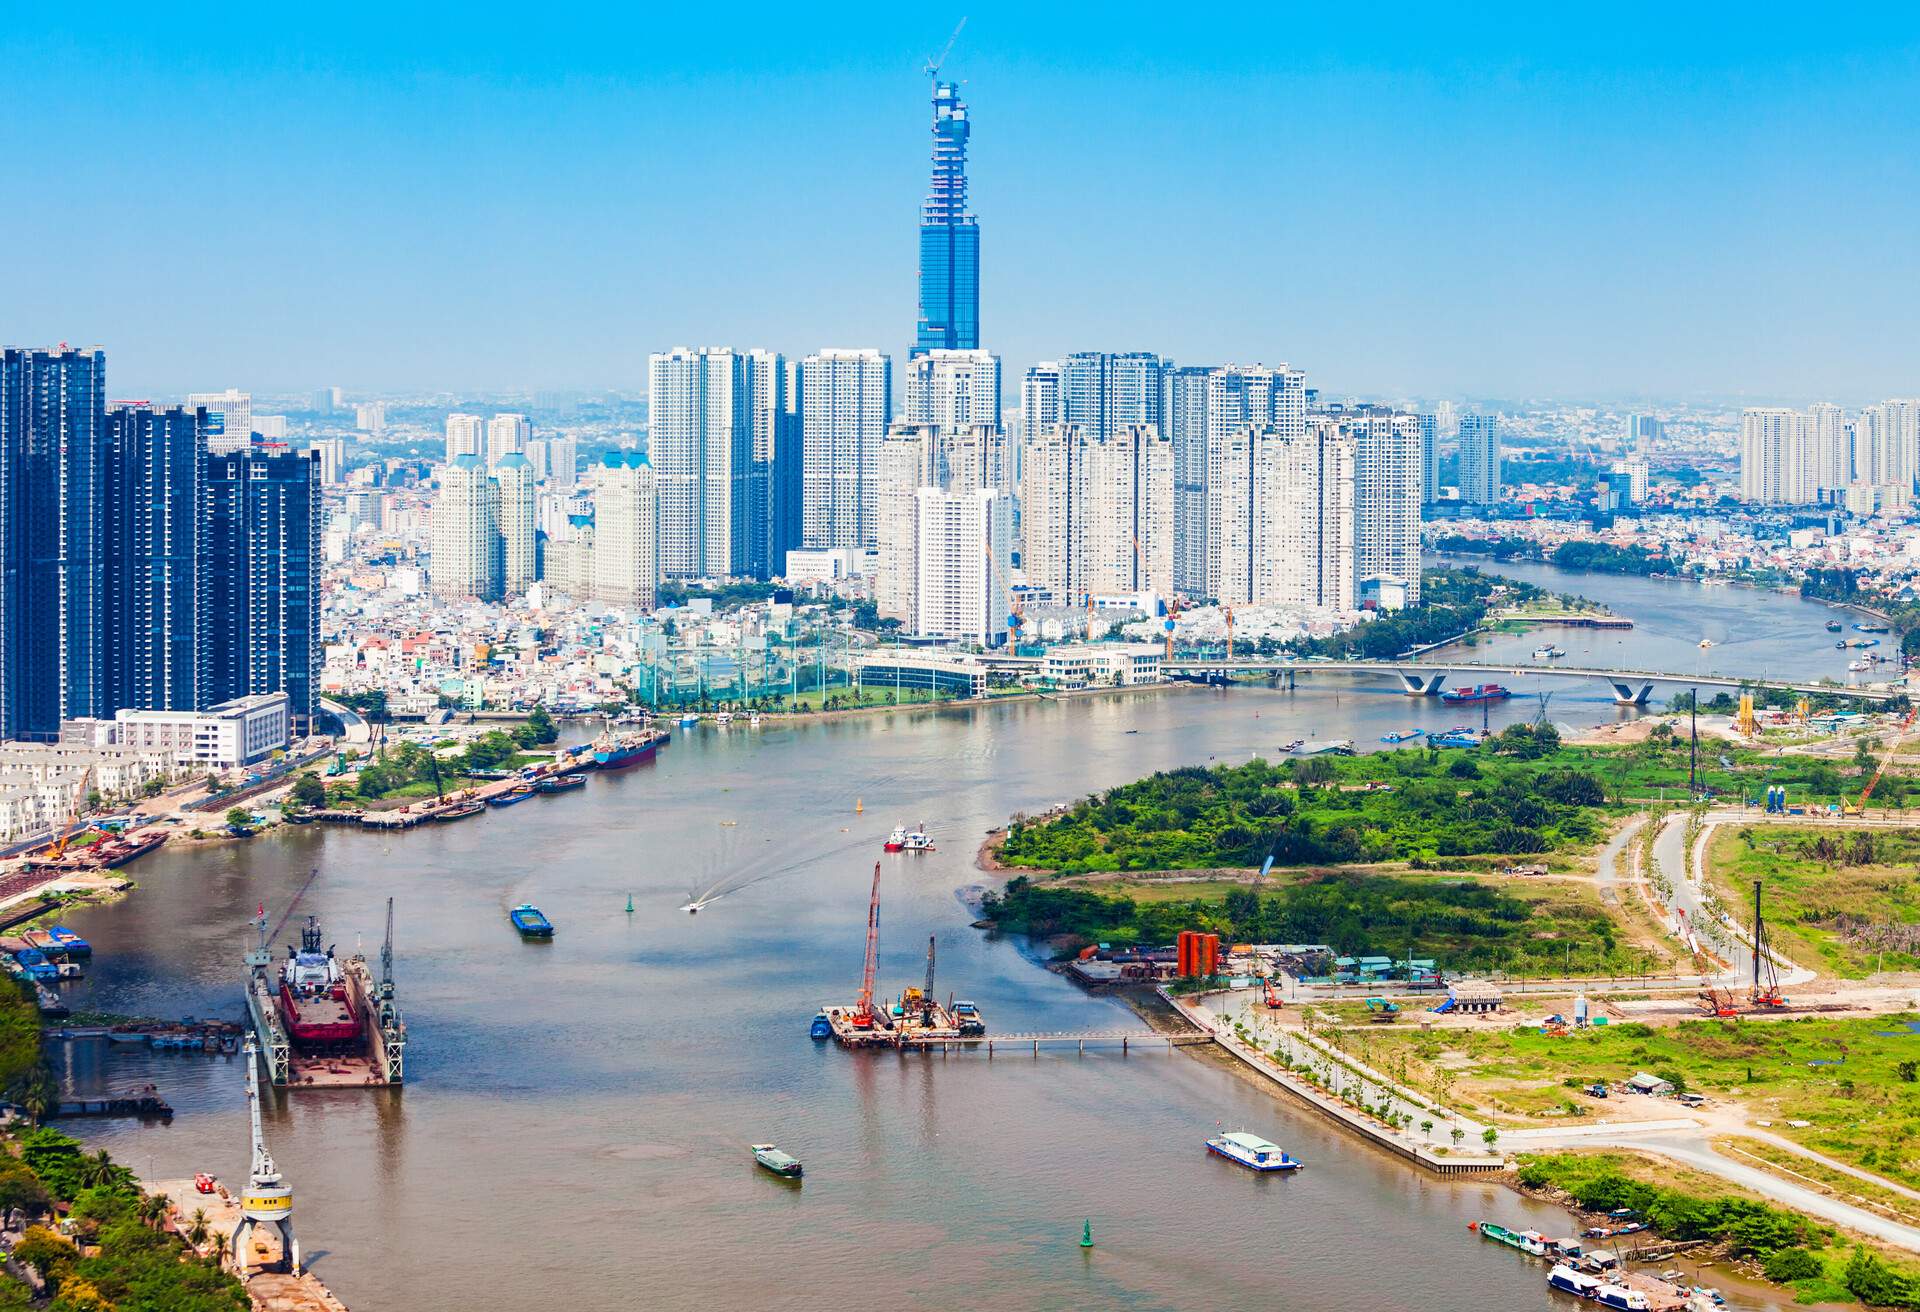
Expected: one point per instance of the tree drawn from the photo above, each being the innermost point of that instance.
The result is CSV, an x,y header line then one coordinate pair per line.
x,y
197,1229
308,790
211,783
1426,1129
239,818
1458,1134
97,1170
1491,1135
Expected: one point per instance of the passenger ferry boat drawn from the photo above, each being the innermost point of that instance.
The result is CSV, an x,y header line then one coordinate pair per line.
x,y
1569,1281
1548,653
1619,1296
1252,1152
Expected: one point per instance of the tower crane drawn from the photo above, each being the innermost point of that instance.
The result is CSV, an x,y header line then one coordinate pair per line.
x,y
926,996
1893,746
933,65
862,1016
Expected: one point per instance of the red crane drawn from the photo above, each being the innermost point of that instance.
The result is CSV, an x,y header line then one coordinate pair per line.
x,y
863,1010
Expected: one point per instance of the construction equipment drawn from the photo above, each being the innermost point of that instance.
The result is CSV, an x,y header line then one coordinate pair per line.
x,y
1766,976
1745,722
933,65
1382,1012
1272,998
921,998
1173,615
58,848
1228,612
1893,746
862,1016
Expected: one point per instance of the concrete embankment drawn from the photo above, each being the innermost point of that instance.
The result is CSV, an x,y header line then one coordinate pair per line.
x,y
1440,1161
269,1291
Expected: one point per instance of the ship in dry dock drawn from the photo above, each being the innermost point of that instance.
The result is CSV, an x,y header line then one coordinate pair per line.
x,y
321,1021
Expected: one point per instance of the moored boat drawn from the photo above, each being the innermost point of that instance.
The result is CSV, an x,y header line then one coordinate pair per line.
x,y
897,840
1833,626
1619,1296
779,1163
688,720
622,750
461,811
1251,1151
1401,736
822,1028
518,793
313,999
530,921
560,783
1527,1241
1569,1281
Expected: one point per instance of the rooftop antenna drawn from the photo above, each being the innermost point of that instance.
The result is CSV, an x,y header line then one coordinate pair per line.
x,y
933,65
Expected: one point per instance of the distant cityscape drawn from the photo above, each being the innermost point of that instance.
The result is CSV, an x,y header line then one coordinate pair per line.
x,y
184,565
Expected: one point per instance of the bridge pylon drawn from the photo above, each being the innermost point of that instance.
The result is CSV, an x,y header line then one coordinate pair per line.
x,y
1422,683
1623,692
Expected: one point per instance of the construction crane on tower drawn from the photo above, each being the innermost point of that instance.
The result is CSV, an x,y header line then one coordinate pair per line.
x,y
933,65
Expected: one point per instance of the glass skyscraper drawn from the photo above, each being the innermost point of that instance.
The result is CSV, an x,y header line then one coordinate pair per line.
x,y
52,557
262,590
156,472
949,237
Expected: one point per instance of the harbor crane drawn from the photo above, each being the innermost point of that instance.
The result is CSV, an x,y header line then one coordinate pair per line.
x,y
863,1010
933,65
926,996
267,1199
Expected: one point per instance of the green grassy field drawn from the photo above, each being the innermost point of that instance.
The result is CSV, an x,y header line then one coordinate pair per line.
x,y
1814,879
1853,1080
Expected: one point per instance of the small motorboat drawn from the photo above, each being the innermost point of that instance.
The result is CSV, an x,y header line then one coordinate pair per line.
x,y
1859,666
1295,745
528,919
778,1162
1833,626
513,796
1401,736
688,720
897,840
753,718
560,783
822,1028
723,719
1548,653
1705,643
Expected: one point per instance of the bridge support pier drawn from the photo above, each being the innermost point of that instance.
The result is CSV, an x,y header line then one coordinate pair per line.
x,y
1421,683
1623,692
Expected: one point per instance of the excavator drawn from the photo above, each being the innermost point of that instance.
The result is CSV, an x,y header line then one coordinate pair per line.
x,y
1271,998
71,830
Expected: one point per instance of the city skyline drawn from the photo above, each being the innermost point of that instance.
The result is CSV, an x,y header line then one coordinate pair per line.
x,y
1588,210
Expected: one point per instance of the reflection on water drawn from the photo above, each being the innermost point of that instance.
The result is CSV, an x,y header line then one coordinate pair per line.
x,y
578,1113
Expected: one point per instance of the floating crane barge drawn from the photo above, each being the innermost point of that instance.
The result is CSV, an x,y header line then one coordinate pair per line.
x,y
917,1019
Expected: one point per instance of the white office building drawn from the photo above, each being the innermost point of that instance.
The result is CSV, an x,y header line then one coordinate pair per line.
x,y
229,419
1099,512
231,734
466,532
1280,518
951,389
846,402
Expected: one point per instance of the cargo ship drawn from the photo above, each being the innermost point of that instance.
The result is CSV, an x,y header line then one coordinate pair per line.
x,y
322,1021
618,751
1480,692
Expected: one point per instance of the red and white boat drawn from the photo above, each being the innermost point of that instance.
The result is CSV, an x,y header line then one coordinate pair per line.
x,y
909,840
314,1004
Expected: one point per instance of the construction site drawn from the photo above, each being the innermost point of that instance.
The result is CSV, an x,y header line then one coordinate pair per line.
x,y
917,1018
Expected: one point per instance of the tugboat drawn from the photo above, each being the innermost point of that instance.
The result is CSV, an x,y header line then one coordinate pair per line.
x,y
897,840
1252,1152
778,1162
313,994
528,919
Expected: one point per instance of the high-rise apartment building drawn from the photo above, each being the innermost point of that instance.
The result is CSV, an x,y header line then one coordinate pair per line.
x,y
913,457
332,452
1102,391
1643,431
1772,451
786,472
1099,512
1429,458
1187,429
467,546
1828,467
466,436
52,552
262,590
949,237
154,536
506,435
846,402
519,541
1039,399
563,461
1794,457
370,417
229,419
1386,500
1280,518
624,554
952,389
1239,397
962,559
1480,459
711,418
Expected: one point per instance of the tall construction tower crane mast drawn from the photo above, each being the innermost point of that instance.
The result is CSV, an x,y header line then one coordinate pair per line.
x,y
933,64
863,1009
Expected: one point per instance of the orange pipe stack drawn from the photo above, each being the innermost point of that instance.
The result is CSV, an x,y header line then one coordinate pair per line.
x,y
1197,954
1184,947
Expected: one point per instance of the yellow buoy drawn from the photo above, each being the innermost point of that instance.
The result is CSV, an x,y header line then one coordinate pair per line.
x,y
859,807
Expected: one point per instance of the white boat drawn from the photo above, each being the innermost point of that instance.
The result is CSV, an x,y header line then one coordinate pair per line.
x,y
1859,667
753,717
1569,1281
1705,642
1629,1300
724,718
688,720
1548,653
1251,1151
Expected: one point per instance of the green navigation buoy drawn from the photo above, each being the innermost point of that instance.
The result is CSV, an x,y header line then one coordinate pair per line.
x,y
629,904
1086,1233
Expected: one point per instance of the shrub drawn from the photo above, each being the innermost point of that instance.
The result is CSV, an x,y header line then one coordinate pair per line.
x,y
1787,1265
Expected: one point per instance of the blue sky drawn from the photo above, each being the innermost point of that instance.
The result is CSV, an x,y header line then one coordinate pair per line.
x,y
1431,200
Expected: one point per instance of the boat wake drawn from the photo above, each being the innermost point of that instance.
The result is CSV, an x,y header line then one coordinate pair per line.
x,y
745,875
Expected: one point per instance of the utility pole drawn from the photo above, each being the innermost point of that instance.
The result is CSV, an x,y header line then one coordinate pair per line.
x,y
1693,748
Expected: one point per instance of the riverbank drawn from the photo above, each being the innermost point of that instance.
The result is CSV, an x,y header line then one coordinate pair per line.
x,y
213,1218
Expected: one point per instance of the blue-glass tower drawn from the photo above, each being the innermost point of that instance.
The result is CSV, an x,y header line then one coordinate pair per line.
x,y
949,237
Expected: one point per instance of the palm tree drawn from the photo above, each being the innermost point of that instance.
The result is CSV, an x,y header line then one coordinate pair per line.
x,y
197,1230
152,1208
96,1170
